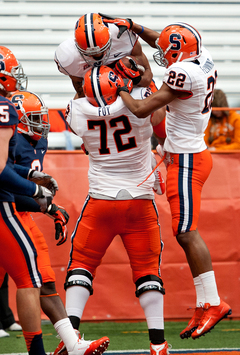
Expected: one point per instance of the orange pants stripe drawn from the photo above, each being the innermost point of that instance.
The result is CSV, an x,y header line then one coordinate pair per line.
x,y
18,255
186,175
136,221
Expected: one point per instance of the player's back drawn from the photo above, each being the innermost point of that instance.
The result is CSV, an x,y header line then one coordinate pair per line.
x,y
119,145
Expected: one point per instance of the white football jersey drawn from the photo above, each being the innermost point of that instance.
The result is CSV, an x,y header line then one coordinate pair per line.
x,y
70,62
119,146
187,119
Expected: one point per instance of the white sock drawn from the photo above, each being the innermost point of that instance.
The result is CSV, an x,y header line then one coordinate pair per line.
x,y
152,305
76,299
66,332
210,288
200,297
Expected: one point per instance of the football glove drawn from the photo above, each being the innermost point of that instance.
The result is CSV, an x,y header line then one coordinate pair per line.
x,y
43,179
124,84
43,197
132,73
163,155
159,184
61,217
122,24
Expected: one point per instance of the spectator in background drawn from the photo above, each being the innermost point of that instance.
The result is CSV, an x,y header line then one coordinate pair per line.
x,y
7,320
223,130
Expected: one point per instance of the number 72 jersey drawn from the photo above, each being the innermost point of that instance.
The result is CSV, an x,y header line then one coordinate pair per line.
x,y
187,118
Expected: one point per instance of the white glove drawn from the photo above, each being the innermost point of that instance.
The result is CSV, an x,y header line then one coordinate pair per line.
x,y
43,179
43,197
161,152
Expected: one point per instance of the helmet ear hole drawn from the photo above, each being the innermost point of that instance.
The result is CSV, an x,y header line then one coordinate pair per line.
x,y
174,55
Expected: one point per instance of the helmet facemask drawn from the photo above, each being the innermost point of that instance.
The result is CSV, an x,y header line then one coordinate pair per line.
x,y
34,123
89,54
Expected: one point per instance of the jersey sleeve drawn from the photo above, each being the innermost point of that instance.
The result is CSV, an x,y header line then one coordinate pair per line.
x,y
8,113
178,79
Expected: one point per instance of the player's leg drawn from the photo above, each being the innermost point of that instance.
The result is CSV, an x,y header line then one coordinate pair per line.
x,y
186,176
18,244
89,243
142,241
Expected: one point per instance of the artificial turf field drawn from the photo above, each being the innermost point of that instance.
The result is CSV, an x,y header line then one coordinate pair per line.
x,y
132,338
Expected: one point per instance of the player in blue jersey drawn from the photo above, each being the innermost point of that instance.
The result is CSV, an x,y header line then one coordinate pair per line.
x,y
15,242
31,148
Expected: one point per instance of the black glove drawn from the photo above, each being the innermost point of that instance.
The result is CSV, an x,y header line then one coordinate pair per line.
x,y
123,24
43,179
61,217
43,197
124,84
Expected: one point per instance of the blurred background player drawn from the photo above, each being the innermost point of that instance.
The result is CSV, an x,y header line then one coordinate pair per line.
x,y
119,146
187,90
7,320
15,240
223,130
31,148
95,44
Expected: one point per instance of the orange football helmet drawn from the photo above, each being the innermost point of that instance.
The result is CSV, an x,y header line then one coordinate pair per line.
x,y
32,114
93,39
100,86
178,42
12,76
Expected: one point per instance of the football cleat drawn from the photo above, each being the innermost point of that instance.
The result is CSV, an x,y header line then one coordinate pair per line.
x,y
211,316
159,184
160,349
88,347
61,349
193,323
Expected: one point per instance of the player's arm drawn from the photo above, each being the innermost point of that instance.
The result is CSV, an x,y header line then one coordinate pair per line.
x,y
77,84
146,34
5,135
141,58
143,108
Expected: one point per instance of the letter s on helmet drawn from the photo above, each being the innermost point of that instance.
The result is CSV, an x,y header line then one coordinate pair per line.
x,y
100,86
178,42
32,114
12,77
93,39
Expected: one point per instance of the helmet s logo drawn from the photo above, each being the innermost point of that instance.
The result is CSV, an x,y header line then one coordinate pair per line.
x,y
2,64
16,99
174,39
113,77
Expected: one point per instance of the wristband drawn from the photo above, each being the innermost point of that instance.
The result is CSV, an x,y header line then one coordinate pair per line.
x,y
141,31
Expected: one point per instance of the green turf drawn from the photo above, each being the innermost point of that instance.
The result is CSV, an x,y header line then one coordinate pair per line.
x,y
129,336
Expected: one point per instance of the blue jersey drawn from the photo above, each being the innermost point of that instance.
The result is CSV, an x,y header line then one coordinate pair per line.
x,y
8,118
29,155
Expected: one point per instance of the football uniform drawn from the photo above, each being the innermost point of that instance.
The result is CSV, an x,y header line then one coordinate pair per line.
x,y
186,121
119,146
31,156
15,240
71,63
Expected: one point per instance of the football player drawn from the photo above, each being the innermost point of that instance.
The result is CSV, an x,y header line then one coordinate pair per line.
x,y
187,90
18,255
119,147
96,43
31,148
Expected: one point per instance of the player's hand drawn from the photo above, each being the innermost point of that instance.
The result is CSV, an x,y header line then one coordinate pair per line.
x,y
43,179
123,24
43,197
124,84
61,217
132,73
163,155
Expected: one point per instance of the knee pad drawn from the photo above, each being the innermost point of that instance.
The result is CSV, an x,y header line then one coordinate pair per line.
x,y
79,277
149,283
